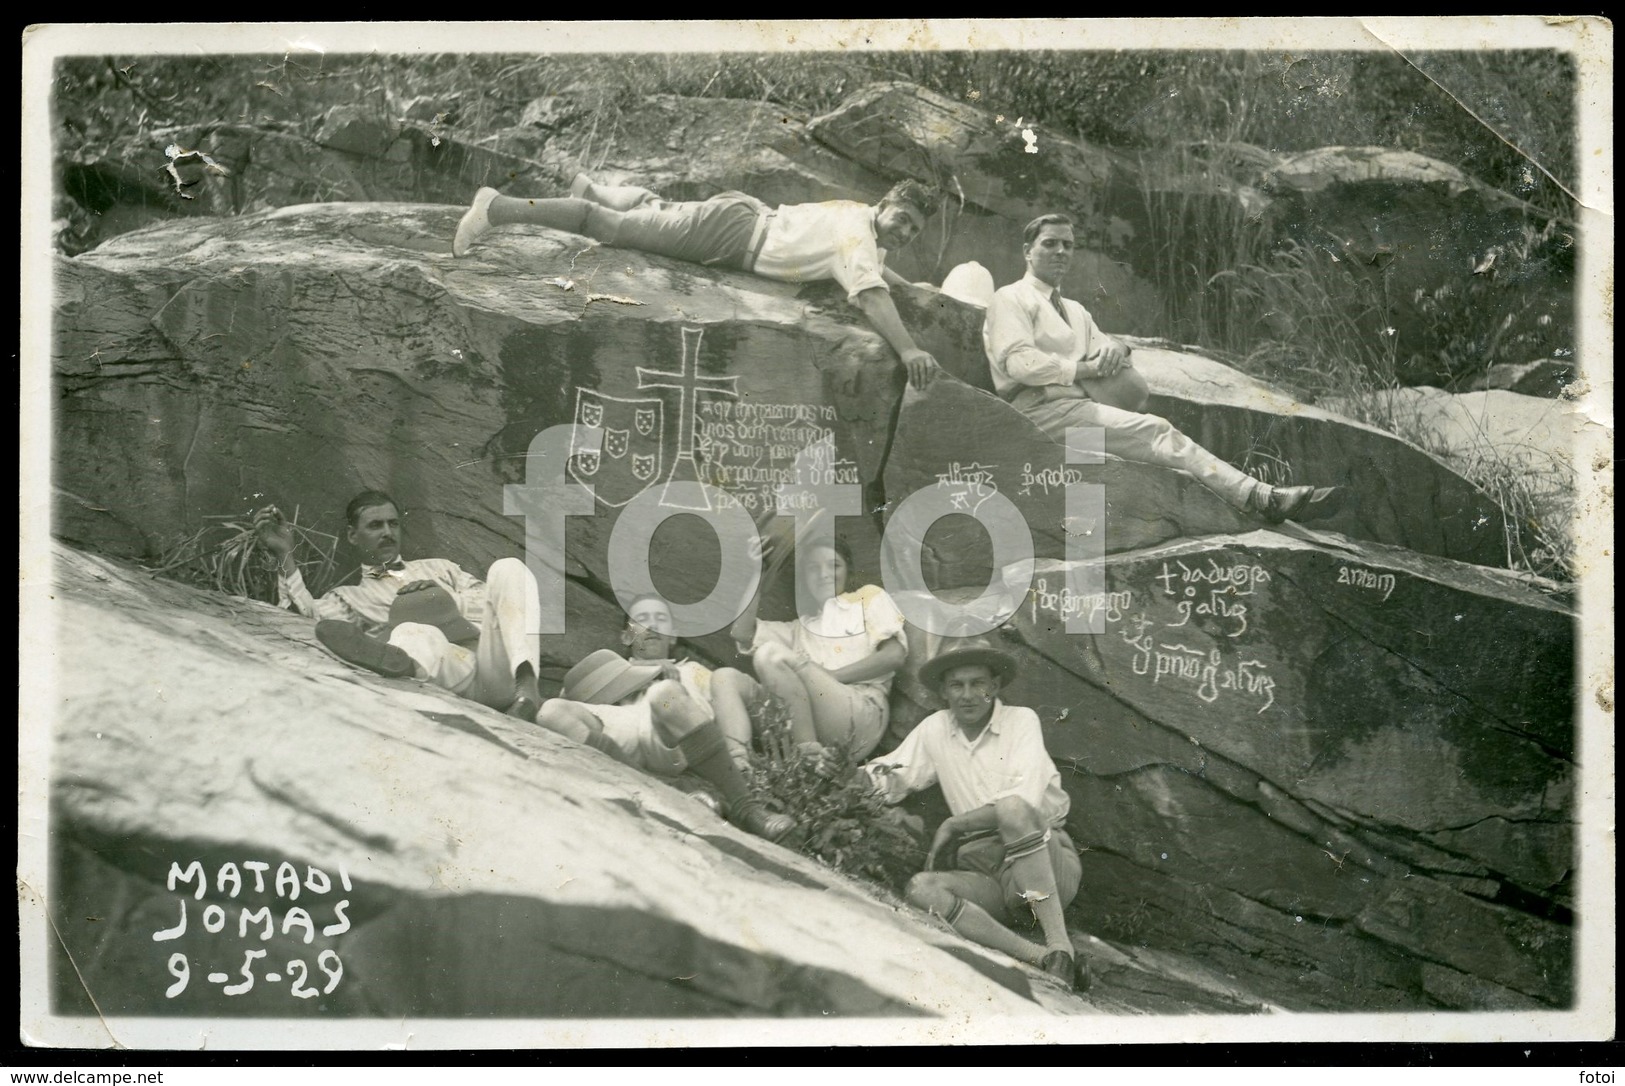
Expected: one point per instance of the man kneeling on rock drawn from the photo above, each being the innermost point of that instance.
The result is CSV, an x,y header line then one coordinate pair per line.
x,y
1051,363
655,713
841,240
423,618
1003,858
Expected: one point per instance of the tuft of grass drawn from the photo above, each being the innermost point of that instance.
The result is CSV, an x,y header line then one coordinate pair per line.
x,y
227,556
841,820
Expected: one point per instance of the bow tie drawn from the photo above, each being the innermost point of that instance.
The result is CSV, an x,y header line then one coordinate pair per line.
x,y
384,570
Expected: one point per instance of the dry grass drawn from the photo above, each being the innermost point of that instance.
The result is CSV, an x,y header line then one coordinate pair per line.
x,y
227,556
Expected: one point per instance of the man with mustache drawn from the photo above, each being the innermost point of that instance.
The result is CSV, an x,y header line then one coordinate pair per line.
x,y
841,240
1003,858
1053,364
424,618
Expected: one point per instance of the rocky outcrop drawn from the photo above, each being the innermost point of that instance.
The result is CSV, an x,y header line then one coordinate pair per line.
x,y
1548,377
302,355
1401,494
1333,768
1457,272
1460,272
1395,722
423,857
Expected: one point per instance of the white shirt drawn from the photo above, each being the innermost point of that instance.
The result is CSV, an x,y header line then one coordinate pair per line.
x,y
1007,759
368,603
849,628
832,240
1027,342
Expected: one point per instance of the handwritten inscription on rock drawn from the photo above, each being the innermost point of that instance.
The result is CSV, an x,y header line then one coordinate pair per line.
x,y
1191,629
748,450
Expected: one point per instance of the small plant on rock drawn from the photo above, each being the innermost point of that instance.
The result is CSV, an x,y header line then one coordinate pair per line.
x,y
227,556
841,819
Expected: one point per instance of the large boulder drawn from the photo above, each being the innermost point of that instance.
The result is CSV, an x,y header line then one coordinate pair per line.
x,y
424,857
1306,760
1398,713
1401,493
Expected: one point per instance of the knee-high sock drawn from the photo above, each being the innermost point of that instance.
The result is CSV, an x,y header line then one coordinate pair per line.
x,y
973,922
560,212
706,751
1030,867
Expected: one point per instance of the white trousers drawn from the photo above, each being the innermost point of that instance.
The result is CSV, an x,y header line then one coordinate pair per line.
x,y
509,636
1131,435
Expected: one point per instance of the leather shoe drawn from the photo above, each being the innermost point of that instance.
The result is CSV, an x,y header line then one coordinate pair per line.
x,y
1302,503
1071,971
768,825
1060,965
347,641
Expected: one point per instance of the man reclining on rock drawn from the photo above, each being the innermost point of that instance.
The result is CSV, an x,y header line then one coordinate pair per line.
x,y
1053,364
1003,858
841,240
654,712
426,617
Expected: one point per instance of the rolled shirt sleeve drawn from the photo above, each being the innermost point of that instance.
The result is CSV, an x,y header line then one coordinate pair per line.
x,y
831,240
911,769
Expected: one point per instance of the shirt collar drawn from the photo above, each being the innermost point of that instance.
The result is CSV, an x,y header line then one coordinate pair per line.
x,y
1043,289
993,724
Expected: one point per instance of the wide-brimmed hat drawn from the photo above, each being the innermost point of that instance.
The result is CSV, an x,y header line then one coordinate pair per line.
x,y
966,652
605,677
432,607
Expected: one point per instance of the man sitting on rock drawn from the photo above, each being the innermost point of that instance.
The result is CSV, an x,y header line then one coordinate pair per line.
x,y
839,239
654,712
1053,364
1003,857
422,618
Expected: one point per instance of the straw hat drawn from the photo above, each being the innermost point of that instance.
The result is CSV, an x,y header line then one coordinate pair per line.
x,y
605,677
431,607
967,652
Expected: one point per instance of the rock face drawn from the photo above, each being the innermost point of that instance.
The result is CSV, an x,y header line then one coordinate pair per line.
x,y
1493,277
1395,722
1282,752
425,857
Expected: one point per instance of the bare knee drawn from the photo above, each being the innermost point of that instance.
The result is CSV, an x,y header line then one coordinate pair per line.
x,y
773,666
926,891
1017,817
728,680
674,713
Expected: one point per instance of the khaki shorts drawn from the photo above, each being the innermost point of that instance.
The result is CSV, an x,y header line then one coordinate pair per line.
x,y
985,856
632,727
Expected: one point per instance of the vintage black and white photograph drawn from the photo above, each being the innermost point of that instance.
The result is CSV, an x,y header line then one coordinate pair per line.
x,y
610,535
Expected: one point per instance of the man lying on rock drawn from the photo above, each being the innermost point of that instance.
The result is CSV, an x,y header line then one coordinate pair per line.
x,y
1053,364
841,240
423,618
655,713
1003,858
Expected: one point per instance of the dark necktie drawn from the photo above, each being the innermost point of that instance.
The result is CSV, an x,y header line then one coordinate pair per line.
x,y
384,570
1055,300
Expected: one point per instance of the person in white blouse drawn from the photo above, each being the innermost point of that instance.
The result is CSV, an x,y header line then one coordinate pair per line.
x,y
831,667
1051,362
843,240
1003,858
487,648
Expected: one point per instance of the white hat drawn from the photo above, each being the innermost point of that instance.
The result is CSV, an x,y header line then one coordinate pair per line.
x,y
970,283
